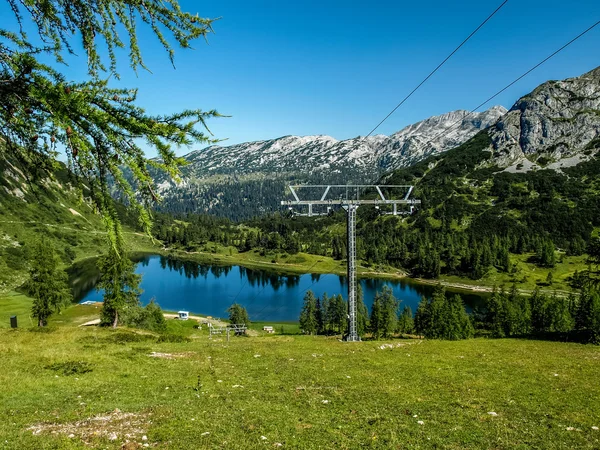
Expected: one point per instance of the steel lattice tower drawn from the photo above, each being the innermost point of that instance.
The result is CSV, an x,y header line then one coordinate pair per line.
x,y
351,205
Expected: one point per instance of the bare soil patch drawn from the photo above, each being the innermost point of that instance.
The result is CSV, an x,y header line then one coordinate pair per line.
x,y
126,428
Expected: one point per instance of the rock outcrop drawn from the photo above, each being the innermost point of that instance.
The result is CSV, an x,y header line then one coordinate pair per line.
x,y
355,160
558,124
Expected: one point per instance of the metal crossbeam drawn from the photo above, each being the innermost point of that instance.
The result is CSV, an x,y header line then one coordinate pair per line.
x,y
351,203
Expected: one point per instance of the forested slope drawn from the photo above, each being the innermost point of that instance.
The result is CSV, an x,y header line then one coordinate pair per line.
x,y
48,206
517,203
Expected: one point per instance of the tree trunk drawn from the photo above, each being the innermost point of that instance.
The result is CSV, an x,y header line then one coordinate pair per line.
x,y
40,322
114,325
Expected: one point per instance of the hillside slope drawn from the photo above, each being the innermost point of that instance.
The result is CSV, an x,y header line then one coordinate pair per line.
x,y
557,125
51,207
492,196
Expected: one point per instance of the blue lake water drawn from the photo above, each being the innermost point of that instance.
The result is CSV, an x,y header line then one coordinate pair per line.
x,y
268,296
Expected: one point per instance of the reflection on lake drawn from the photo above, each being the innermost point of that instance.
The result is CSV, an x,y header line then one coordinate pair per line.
x,y
268,296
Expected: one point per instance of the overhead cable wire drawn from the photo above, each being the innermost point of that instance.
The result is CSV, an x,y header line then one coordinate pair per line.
x,y
512,83
437,68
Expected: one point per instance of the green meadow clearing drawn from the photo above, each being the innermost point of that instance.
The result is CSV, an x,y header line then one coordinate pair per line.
x,y
72,387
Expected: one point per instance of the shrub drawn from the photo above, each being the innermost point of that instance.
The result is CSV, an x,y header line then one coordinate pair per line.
x,y
149,318
443,318
71,367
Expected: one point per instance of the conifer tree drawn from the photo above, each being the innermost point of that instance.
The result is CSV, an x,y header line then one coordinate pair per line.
x,y
588,313
100,127
406,322
560,318
461,326
499,314
319,316
47,283
428,318
326,313
440,318
362,313
340,313
376,320
521,312
538,303
308,315
119,282
238,315
504,259
389,311
546,253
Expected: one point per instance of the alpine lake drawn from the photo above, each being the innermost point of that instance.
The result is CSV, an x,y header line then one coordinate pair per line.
x,y
268,296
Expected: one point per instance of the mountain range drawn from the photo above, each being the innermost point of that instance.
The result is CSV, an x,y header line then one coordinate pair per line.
x,y
217,179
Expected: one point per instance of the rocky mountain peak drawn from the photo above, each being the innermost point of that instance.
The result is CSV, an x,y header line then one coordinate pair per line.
x,y
558,123
314,159
369,156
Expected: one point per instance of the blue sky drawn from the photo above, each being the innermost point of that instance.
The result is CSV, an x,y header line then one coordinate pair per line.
x,y
338,67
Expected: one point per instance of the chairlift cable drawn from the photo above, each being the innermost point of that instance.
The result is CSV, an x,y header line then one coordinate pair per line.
x,y
436,69
451,127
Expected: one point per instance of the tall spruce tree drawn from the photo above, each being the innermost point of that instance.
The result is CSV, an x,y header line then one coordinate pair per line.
x,y
389,311
461,326
119,281
319,316
376,320
406,323
499,314
325,314
522,312
362,313
538,304
560,319
438,317
308,316
47,284
588,313
339,313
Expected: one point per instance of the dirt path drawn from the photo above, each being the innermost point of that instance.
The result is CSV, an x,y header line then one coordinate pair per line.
x,y
214,322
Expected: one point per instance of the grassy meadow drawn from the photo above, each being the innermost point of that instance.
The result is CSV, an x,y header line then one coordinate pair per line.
x,y
72,387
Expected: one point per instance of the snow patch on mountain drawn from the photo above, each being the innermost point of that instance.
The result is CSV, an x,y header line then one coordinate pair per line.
x,y
362,159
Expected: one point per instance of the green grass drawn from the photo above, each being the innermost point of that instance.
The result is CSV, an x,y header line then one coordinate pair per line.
x,y
528,275
299,263
281,328
298,391
15,304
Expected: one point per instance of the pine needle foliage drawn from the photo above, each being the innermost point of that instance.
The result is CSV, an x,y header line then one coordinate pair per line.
x,y
238,315
101,128
384,313
309,317
443,317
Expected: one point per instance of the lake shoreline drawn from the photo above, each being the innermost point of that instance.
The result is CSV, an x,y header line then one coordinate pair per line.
x,y
282,268
206,285
363,272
